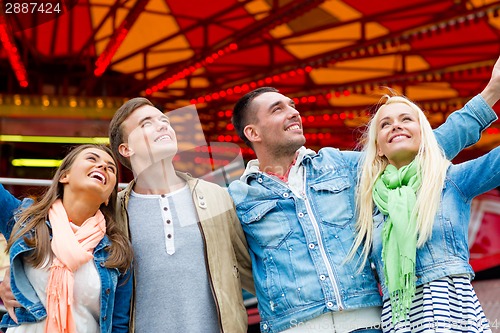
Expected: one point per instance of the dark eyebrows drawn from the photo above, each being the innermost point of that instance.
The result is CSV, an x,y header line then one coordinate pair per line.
x,y
290,102
144,120
99,156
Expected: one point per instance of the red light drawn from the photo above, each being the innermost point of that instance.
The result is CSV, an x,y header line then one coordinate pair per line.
x,y
292,73
326,117
220,52
311,99
220,114
310,119
260,83
230,127
342,116
229,91
215,96
303,99
208,98
268,80
276,78
337,94
193,101
228,138
222,93
347,92
201,99
220,138
233,46
253,85
296,100
229,113
237,89
13,55
245,87
148,91
308,69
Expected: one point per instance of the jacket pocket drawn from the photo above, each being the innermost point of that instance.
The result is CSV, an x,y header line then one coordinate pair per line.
x,y
332,200
266,222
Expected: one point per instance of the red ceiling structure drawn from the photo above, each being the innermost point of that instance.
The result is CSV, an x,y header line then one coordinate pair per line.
x,y
331,56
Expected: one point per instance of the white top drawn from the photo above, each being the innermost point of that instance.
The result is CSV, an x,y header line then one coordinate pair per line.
x,y
87,292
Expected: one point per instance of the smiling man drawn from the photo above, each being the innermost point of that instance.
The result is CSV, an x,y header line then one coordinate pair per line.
x,y
297,209
189,249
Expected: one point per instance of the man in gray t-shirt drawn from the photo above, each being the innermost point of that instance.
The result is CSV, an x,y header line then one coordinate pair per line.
x,y
189,248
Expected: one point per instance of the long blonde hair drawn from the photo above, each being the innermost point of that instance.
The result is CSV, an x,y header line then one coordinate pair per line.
x,y
432,166
31,224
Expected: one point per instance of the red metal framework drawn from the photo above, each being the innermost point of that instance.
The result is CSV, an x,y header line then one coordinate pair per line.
x,y
331,56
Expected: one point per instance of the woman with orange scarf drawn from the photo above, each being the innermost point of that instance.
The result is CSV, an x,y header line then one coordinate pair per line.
x,y
70,261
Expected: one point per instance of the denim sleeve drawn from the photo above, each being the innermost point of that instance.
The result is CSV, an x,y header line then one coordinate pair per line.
x,y
477,176
463,127
8,204
123,296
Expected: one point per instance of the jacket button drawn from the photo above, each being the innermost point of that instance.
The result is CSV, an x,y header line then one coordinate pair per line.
x,y
101,264
104,318
108,291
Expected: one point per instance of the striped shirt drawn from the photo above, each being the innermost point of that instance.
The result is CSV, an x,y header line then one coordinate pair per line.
x,y
448,304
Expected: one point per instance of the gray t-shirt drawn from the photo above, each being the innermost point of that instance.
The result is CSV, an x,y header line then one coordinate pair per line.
x,y
172,289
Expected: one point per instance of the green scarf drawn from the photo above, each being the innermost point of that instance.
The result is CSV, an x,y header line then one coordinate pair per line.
x,y
394,194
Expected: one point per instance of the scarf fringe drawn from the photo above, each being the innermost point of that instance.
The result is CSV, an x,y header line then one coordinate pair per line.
x,y
401,300
59,310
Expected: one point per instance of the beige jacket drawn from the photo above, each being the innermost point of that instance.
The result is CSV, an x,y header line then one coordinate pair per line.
x,y
227,260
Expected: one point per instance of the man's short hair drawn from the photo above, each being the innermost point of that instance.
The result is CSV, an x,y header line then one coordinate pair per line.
x,y
243,112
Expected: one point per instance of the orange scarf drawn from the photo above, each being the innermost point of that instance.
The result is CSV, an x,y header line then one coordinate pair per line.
x,y
72,248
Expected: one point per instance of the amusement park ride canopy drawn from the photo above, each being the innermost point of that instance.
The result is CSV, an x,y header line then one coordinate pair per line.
x,y
331,56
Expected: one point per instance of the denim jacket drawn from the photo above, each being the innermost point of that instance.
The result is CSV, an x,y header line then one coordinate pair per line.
x,y
299,243
116,288
447,251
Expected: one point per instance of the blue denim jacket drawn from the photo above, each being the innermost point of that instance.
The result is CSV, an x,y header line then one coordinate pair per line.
x,y
447,252
298,244
116,288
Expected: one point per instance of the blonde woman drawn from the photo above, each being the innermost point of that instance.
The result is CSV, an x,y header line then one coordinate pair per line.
x,y
70,261
419,238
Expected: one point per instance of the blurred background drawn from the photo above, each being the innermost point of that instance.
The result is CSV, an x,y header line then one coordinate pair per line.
x,y
64,71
